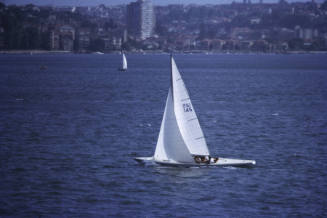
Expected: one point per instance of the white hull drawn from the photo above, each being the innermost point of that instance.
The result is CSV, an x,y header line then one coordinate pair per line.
x,y
222,162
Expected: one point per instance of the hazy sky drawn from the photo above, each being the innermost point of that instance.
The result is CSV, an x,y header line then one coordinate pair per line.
x,y
116,2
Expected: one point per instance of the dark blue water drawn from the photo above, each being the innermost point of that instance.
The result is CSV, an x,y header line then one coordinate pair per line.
x,y
68,135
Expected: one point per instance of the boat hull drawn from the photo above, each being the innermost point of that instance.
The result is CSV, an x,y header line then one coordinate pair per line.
x,y
222,162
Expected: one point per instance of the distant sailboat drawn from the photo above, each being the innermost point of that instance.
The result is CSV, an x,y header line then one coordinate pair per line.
x,y
124,63
181,140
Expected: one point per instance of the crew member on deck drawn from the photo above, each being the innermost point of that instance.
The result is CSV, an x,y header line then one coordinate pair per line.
x,y
207,159
197,159
213,160
202,159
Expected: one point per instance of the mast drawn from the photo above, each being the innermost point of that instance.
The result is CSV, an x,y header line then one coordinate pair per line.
x,y
171,75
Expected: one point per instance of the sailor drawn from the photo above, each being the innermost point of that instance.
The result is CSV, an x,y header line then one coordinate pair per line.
x,y
213,159
207,159
197,159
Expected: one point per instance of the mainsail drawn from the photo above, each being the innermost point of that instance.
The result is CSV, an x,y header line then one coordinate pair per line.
x,y
187,120
180,134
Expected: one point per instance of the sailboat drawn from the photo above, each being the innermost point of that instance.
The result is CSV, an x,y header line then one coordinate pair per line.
x,y
124,63
181,141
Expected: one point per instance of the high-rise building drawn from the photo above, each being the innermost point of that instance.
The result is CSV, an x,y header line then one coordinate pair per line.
x,y
140,19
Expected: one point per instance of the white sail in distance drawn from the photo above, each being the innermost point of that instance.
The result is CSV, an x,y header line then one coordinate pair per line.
x,y
124,62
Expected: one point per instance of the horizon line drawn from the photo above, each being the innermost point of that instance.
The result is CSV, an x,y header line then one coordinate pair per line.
x,y
118,3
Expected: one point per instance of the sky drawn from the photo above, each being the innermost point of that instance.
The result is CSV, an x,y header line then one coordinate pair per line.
x,y
117,2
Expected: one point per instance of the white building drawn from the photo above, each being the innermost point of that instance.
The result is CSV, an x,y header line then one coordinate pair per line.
x,y
140,19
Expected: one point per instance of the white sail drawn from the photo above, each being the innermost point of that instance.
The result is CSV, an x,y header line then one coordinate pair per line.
x,y
170,144
124,63
185,115
181,137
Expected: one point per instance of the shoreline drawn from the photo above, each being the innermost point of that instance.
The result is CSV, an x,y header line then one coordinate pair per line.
x,y
32,52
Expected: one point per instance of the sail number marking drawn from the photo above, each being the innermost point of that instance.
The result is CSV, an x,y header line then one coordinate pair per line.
x,y
187,107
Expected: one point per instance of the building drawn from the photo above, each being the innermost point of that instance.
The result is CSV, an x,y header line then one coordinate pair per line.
x,y
112,43
54,40
140,19
67,43
67,30
133,18
2,38
67,37
84,38
307,34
